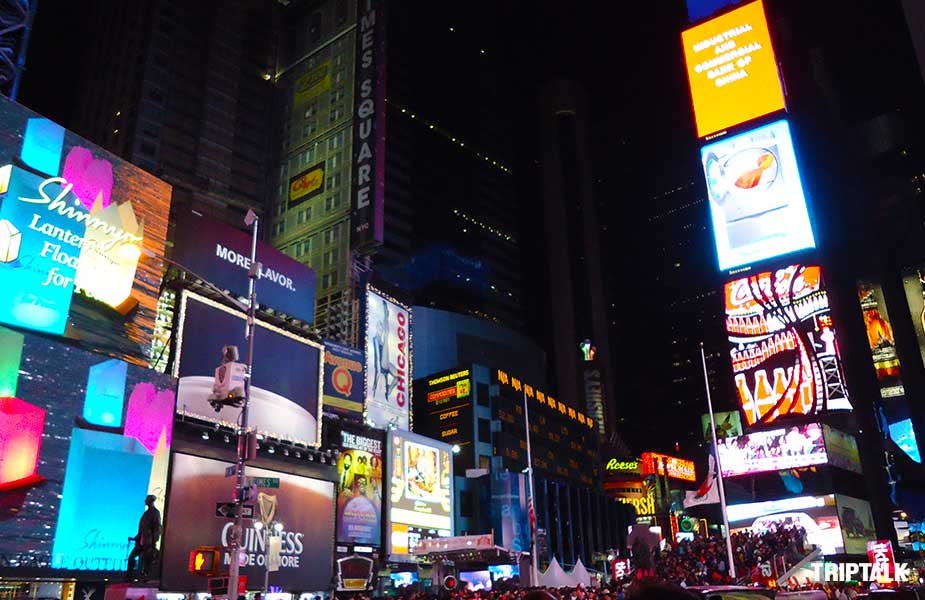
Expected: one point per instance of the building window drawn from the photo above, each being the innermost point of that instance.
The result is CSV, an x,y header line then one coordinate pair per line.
x,y
333,181
481,390
332,201
466,504
335,114
331,257
485,431
314,28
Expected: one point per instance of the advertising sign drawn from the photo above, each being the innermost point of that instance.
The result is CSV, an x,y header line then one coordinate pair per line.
x,y
842,449
700,9
312,84
731,69
84,439
670,466
306,185
774,450
285,400
222,255
73,222
368,177
304,506
727,424
420,502
509,514
359,490
388,361
784,349
818,515
857,523
444,412
880,553
343,380
757,204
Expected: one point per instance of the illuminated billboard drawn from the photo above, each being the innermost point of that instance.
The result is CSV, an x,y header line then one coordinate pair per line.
x,y
303,506
774,450
677,468
757,204
83,440
443,410
818,515
727,424
783,345
343,380
388,361
74,220
731,69
359,489
285,399
420,503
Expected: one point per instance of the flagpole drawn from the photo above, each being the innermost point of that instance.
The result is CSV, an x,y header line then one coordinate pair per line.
x,y
719,467
534,577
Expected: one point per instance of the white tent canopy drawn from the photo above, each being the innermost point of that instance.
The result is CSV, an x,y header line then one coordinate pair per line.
x,y
555,576
580,574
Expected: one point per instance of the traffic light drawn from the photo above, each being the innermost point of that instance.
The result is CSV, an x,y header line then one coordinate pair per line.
x,y
204,561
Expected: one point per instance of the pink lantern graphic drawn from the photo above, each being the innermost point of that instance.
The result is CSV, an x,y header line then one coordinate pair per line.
x,y
21,427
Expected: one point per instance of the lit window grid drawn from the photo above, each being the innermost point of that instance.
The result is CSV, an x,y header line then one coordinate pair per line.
x,y
452,138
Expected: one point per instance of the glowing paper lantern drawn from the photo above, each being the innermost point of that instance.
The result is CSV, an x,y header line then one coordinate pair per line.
x,y
11,344
10,241
21,426
105,393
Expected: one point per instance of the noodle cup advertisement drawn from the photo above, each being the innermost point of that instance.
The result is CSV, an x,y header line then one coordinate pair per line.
x,y
421,498
731,69
757,203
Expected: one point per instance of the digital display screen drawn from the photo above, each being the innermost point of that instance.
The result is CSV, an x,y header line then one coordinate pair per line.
x,y
783,345
388,361
731,69
903,435
285,400
74,220
662,464
757,204
842,449
359,489
403,579
503,572
420,502
84,439
444,412
775,450
818,515
476,580
301,505
727,424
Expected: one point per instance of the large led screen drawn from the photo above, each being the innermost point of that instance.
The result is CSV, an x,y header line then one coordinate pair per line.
x,y
857,523
421,492
818,515
285,400
359,489
84,439
756,197
74,220
731,69
388,361
303,506
783,345
775,450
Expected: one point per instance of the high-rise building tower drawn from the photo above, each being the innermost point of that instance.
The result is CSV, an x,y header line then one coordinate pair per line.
x,y
402,107
577,307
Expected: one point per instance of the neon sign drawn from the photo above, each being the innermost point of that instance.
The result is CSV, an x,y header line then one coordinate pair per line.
x,y
669,466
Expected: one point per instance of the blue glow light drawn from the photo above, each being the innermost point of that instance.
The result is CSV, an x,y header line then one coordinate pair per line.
x,y
903,435
42,145
105,397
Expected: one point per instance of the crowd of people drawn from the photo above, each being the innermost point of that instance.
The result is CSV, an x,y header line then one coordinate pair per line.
x,y
703,561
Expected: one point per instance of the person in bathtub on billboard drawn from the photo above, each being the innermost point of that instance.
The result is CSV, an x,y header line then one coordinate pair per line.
x,y
421,477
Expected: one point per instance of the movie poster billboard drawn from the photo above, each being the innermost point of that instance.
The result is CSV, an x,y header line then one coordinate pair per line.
x,y
757,204
343,380
731,68
84,439
782,341
302,505
420,503
76,226
285,399
359,490
388,361
774,450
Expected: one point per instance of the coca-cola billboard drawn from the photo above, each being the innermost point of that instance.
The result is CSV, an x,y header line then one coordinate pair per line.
x,y
783,347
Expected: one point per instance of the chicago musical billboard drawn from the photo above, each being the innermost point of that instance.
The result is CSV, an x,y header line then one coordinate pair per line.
x,y
783,345
731,69
84,439
757,204
420,503
74,222
388,361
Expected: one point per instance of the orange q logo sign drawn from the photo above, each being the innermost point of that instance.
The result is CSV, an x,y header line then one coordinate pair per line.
x,y
342,380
